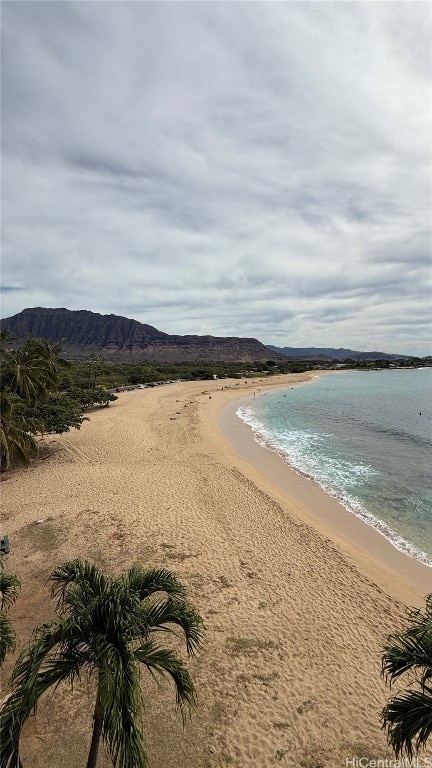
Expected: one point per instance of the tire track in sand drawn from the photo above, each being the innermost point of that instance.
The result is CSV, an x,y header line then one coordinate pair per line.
x,y
79,456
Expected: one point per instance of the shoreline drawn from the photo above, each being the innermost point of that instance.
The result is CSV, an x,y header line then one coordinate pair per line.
x,y
365,544
295,613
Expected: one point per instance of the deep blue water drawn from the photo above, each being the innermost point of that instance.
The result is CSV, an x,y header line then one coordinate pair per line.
x,y
366,438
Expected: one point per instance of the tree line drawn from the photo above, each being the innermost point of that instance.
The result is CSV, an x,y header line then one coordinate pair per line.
x,y
118,374
38,396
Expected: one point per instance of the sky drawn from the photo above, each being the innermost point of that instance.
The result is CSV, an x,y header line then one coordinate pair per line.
x,y
228,168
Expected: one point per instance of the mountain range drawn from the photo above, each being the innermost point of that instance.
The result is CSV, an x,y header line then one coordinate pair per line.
x,y
119,338
330,353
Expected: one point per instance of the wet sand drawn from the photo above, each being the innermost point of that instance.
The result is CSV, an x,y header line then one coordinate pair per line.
x,y
295,610
401,574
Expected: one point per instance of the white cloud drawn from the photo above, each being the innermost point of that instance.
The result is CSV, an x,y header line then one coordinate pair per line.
x,y
247,168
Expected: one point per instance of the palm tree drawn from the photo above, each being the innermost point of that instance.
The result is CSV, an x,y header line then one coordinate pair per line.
x,y
5,339
50,353
9,588
28,377
16,430
106,627
95,364
408,715
33,371
25,374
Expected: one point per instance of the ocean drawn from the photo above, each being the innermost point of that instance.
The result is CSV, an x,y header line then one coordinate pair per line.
x,y
365,438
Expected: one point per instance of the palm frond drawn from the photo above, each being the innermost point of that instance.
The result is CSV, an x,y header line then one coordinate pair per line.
x,y
16,430
61,632
19,706
147,582
120,706
165,662
9,588
32,676
161,614
412,650
408,720
7,637
90,581
408,715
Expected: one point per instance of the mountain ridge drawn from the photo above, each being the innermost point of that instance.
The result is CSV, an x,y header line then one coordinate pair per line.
x,y
333,353
119,338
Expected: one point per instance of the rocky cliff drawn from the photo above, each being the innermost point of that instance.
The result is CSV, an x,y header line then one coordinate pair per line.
x,y
120,338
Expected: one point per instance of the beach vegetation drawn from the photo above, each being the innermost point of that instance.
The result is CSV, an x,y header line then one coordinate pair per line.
x,y
58,414
112,374
218,712
87,398
17,430
102,396
25,372
95,366
38,396
306,706
9,589
407,717
28,376
368,752
109,629
248,645
316,755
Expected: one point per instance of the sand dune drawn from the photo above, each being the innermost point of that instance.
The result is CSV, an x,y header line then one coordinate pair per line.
x,y
295,615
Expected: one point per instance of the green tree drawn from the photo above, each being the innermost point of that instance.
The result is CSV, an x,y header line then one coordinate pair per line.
x,y
5,343
96,366
30,402
102,396
106,627
33,370
49,354
26,375
81,395
88,397
58,414
9,588
16,430
408,715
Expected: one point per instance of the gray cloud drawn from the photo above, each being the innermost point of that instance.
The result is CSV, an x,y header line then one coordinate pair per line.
x,y
247,168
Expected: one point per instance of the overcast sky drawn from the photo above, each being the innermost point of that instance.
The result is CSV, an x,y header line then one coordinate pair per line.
x,y
236,168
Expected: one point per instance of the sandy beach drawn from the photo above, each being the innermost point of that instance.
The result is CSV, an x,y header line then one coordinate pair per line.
x,y
296,594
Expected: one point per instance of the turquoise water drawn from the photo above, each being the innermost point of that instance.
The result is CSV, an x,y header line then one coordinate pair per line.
x,y
366,438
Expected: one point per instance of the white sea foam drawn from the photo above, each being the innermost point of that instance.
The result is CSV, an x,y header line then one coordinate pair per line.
x,y
301,450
